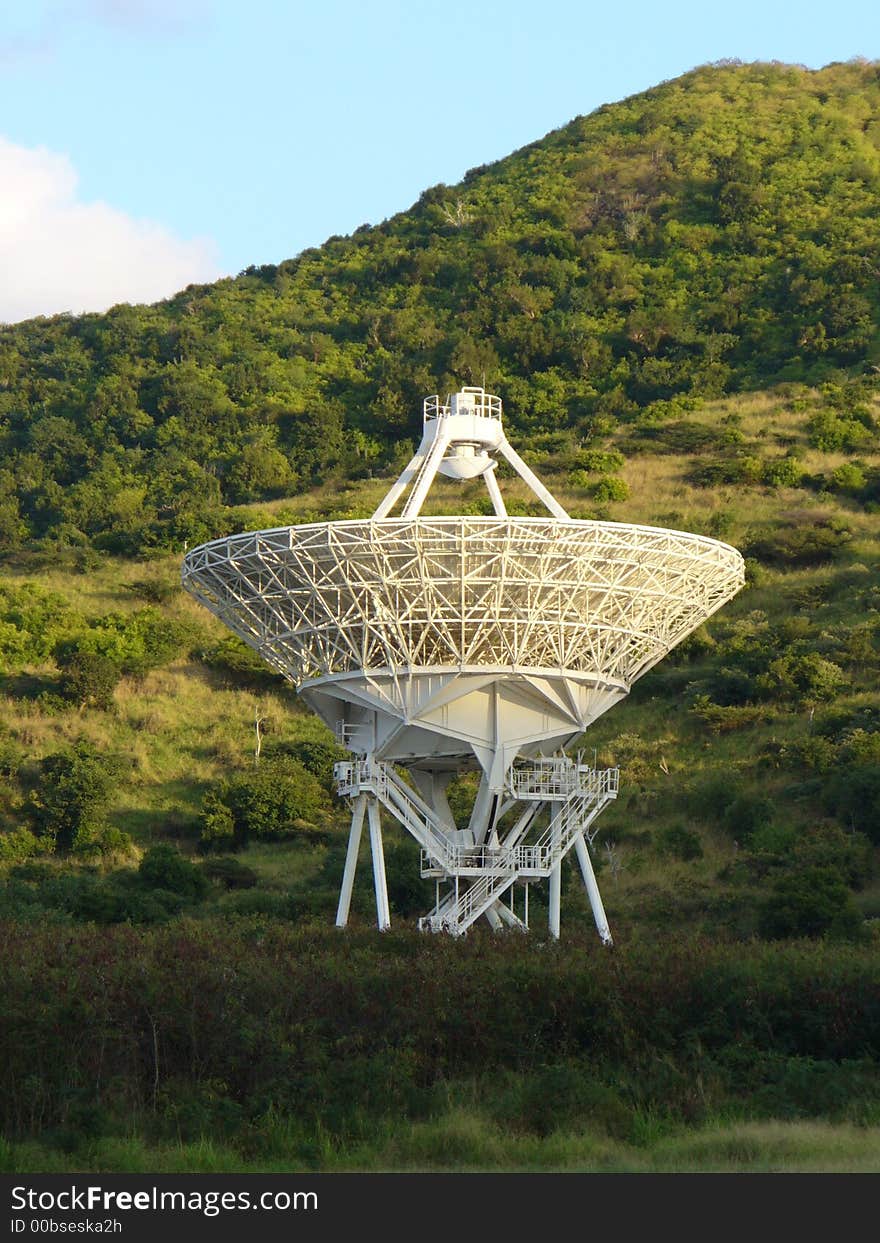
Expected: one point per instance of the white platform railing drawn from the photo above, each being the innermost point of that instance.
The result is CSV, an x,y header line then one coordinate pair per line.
x,y
559,778
469,401
487,872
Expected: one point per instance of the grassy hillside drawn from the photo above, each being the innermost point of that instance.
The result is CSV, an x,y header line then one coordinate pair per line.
x,y
738,753
713,235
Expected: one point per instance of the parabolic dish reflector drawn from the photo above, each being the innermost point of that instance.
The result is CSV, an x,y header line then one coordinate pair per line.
x,y
604,599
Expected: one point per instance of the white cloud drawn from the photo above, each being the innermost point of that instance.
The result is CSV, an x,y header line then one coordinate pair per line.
x,y
58,253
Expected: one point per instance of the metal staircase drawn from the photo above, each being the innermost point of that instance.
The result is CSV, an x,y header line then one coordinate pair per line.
x,y
479,876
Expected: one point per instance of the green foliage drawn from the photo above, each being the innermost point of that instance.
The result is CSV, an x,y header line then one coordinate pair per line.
x,y
849,479
163,867
279,799
853,795
70,798
804,678
725,718
744,813
218,824
409,896
610,488
88,679
782,472
318,756
252,1015
131,643
19,844
679,842
230,873
234,658
810,902
810,540
683,436
31,620
625,268
599,461
49,893
832,433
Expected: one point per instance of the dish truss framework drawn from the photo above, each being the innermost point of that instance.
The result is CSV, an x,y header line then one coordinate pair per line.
x,y
442,644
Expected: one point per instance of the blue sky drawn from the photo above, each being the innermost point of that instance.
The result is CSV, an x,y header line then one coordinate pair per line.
x,y
146,143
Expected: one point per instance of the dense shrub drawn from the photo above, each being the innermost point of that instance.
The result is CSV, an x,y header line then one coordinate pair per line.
x,y
240,663
88,678
684,436
19,844
316,756
802,678
849,479
783,472
610,488
679,842
408,895
598,461
31,619
87,896
810,902
728,687
745,812
279,799
300,1021
230,873
163,867
832,432
134,643
853,795
71,795
813,541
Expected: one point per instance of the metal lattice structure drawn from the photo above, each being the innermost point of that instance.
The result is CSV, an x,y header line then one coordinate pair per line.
x,y
444,643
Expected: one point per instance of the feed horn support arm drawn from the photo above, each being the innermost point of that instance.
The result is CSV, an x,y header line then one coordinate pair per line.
x,y
459,440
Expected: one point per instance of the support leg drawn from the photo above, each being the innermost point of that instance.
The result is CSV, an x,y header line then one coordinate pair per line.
x,y
555,899
555,879
425,476
532,480
509,916
592,888
383,913
351,858
399,487
493,918
482,809
495,494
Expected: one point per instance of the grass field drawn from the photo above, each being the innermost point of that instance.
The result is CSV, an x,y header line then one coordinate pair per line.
x,y
465,1142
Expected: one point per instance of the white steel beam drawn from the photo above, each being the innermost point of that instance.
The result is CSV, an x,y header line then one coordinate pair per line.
x,y
426,474
531,479
493,918
383,913
351,859
397,489
583,856
495,493
555,900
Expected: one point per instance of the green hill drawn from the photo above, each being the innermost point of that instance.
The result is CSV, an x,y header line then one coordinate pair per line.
x,y
677,298
716,234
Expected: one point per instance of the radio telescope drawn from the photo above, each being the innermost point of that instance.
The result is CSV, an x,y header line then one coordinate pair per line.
x,y
442,644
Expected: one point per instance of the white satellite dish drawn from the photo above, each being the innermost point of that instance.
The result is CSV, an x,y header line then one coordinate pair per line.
x,y
442,644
